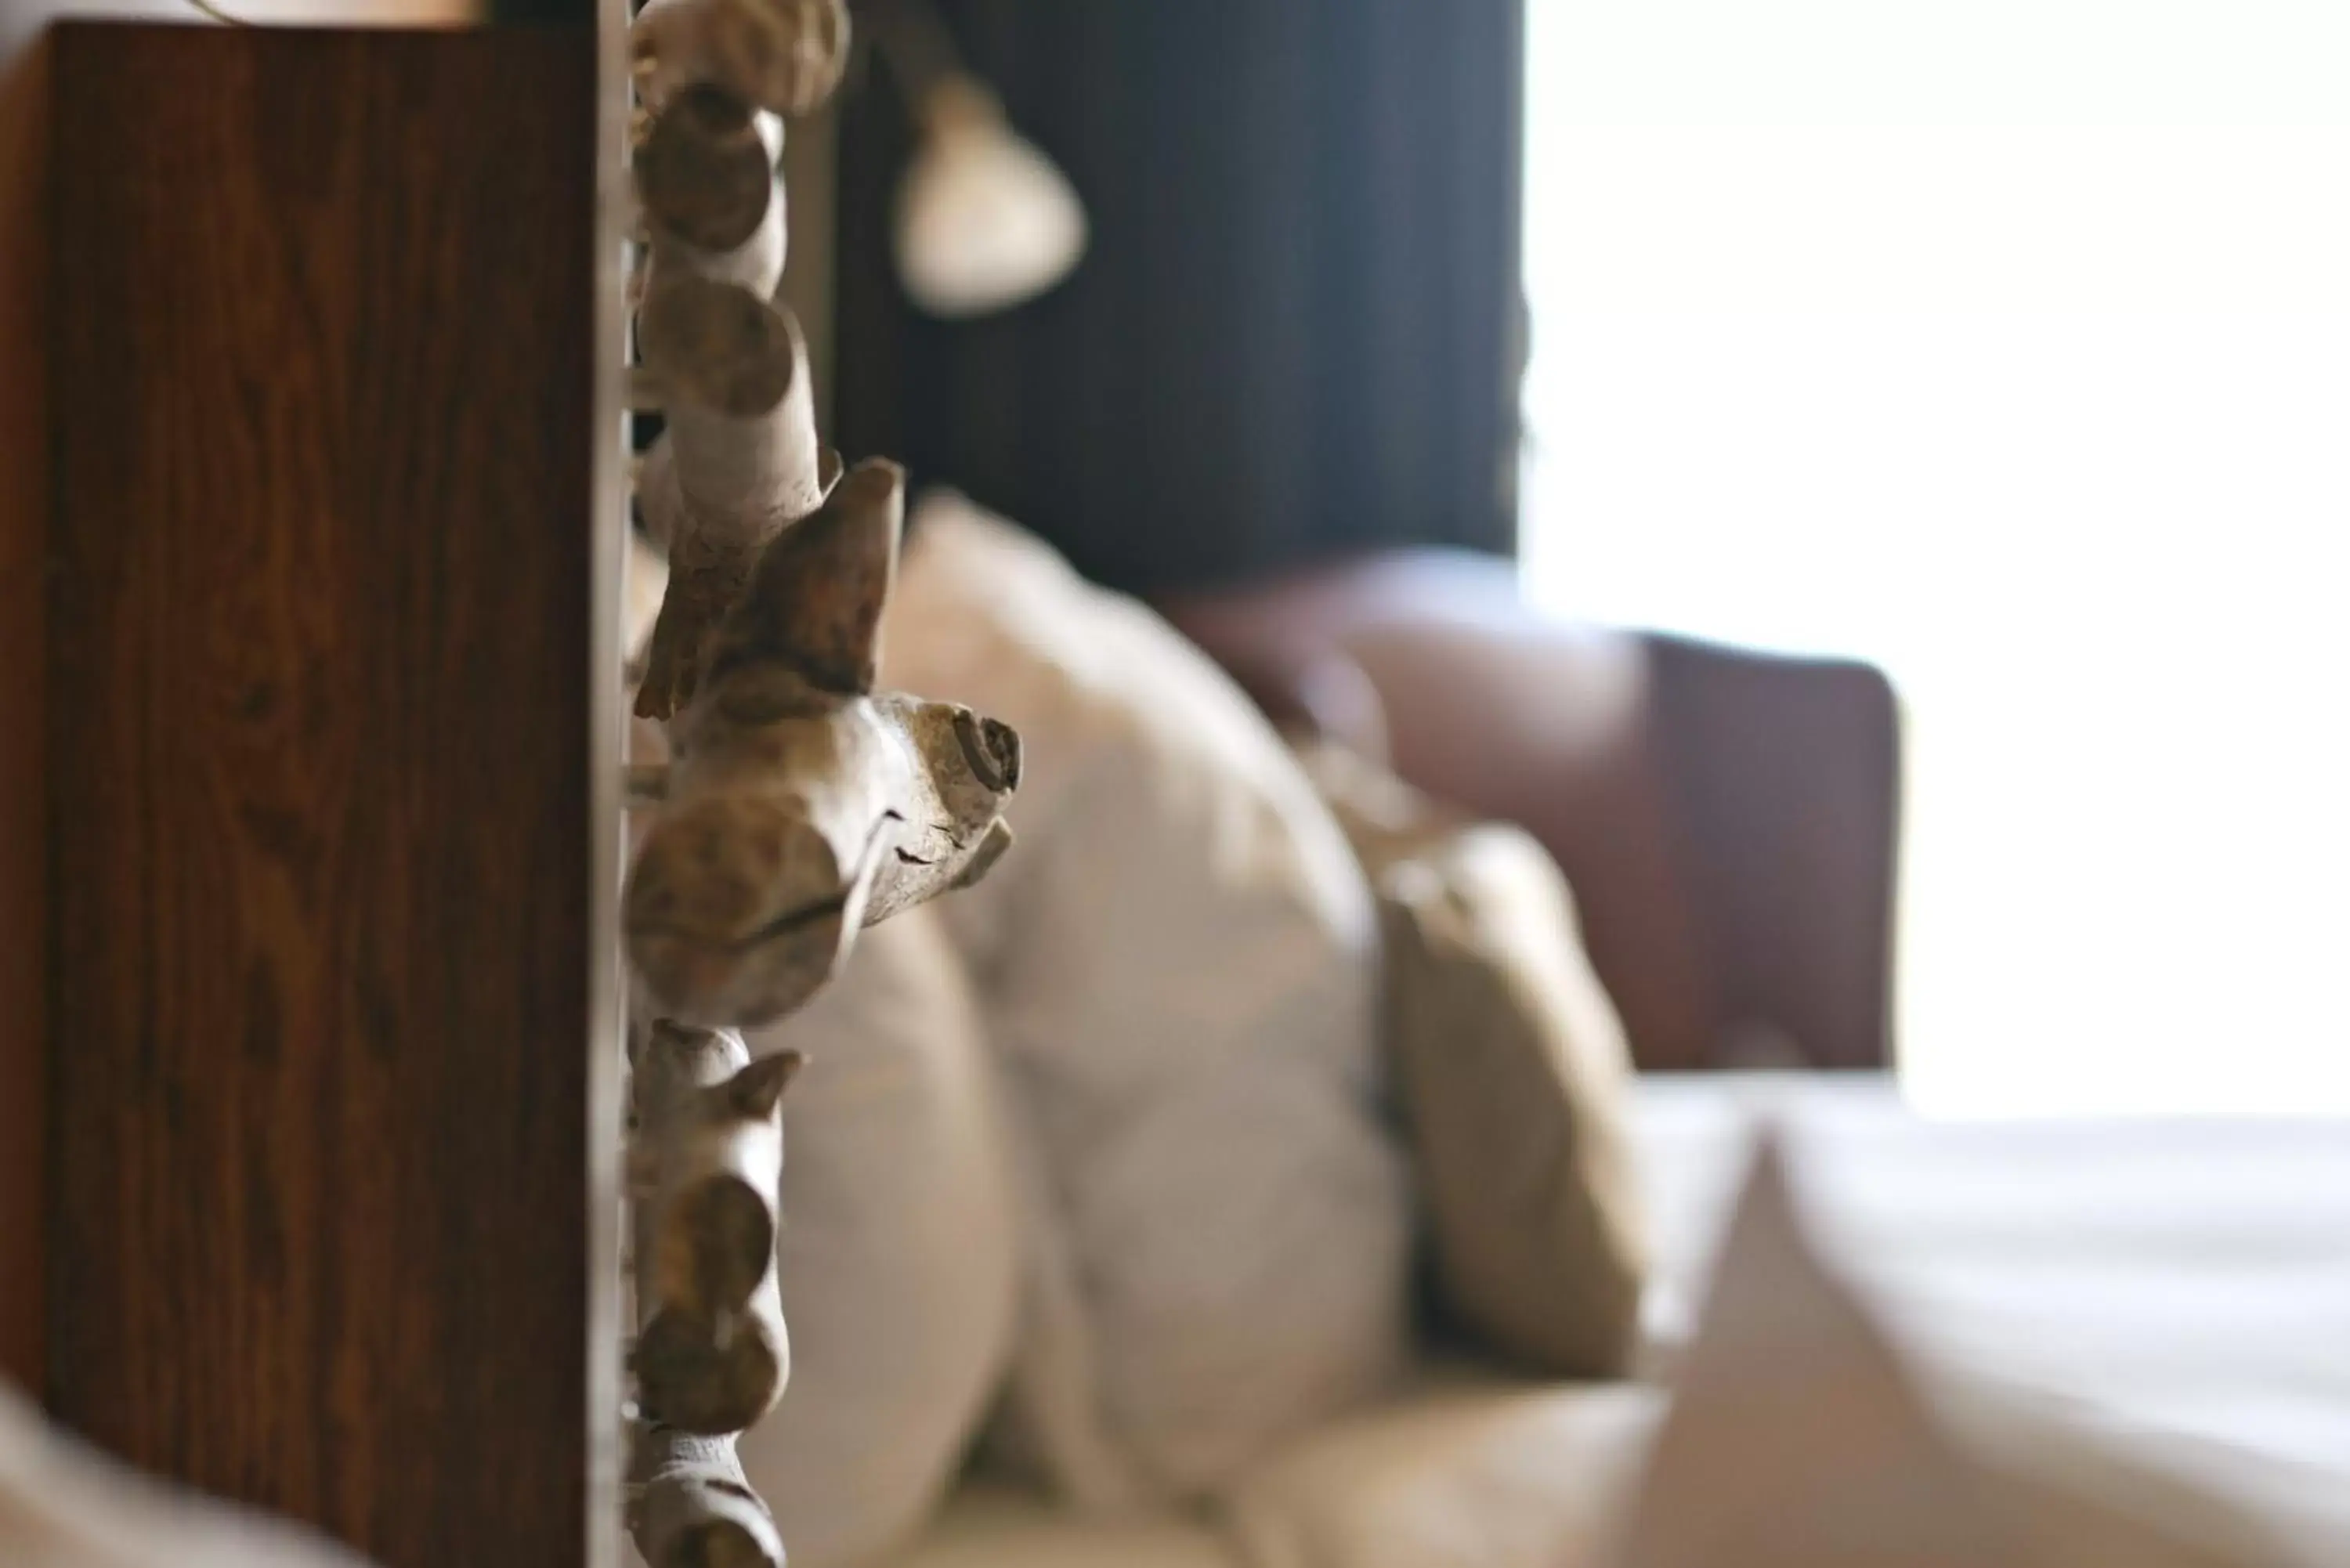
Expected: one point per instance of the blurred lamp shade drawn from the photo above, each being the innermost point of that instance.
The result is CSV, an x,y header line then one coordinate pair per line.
x,y
985,221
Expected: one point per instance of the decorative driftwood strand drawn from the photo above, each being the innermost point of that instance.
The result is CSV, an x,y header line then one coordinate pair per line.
x,y
658,501
738,463
706,180
712,1354
693,1508
643,784
717,1373
743,461
782,55
801,808
646,391
733,360
717,1152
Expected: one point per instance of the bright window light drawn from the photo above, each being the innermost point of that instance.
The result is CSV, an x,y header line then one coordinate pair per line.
x,y
2004,343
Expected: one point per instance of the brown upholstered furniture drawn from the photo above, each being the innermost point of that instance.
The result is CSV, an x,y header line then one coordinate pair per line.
x,y
1728,819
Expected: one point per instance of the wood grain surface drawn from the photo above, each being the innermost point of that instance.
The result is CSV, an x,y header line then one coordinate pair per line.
x,y
324,1121
24,542
24,829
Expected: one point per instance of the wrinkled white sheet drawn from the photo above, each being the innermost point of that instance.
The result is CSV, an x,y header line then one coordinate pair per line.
x,y
2187,1278
2180,1290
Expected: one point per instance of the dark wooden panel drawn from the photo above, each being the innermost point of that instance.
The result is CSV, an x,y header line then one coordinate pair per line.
x,y
23,531
319,729
23,540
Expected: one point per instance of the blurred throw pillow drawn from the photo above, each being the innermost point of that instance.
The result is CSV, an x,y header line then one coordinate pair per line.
x,y
1512,1070
898,1255
1178,964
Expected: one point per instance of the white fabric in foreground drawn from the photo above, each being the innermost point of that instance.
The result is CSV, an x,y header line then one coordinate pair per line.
x,y
65,1505
2181,1277
898,1248
1800,1437
1178,962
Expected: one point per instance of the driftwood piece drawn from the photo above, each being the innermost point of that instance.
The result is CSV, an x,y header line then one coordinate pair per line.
x,y
801,808
786,55
659,503
693,1508
712,1354
743,461
713,1374
643,784
706,184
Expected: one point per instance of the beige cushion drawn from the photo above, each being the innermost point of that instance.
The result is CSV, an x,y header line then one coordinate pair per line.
x,y
898,1252
1513,1072
1178,962
1470,1470
991,1525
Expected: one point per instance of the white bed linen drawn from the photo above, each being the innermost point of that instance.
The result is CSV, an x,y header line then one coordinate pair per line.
x,y
2182,1287
2177,1276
